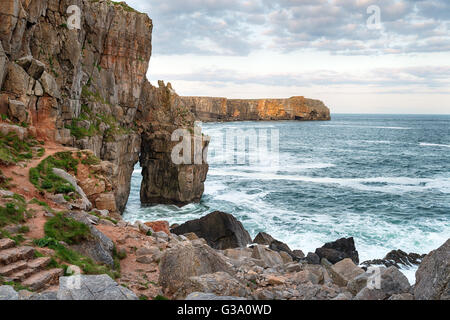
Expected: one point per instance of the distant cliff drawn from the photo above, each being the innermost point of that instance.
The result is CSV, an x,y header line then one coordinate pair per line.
x,y
223,109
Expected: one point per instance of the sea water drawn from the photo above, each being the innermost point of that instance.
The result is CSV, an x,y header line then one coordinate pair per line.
x,y
382,179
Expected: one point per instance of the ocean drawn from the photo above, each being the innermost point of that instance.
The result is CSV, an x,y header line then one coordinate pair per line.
x,y
382,179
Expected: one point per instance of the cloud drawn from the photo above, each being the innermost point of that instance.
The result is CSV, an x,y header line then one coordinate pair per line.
x,y
240,27
400,79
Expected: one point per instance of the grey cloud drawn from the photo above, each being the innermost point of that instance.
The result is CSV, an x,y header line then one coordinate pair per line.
x,y
238,27
425,77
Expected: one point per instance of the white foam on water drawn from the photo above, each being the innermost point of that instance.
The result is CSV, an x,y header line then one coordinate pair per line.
x,y
424,144
393,184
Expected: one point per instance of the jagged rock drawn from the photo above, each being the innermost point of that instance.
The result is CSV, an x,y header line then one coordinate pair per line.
x,y
17,111
263,238
3,65
33,67
17,80
164,179
92,287
344,271
159,226
269,258
210,296
388,282
220,283
433,275
397,258
337,250
98,247
8,293
84,204
221,230
49,85
106,201
185,260
402,296
312,258
298,253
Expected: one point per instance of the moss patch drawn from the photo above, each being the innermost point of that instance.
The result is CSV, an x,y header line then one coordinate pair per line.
x,y
66,229
13,150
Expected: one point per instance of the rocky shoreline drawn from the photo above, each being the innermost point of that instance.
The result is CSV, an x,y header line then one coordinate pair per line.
x,y
228,264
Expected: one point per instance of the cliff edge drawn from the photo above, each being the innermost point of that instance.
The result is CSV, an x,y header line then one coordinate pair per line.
x,y
223,109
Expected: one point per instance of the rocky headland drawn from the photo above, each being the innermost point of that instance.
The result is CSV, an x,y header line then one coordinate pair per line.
x,y
77,113
223,109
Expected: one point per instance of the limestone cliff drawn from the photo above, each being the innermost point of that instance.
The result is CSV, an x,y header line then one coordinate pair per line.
x,y
82,85
222,109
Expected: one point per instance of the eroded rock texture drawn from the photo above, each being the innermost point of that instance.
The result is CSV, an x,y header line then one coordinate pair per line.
x,y
222,109
162,112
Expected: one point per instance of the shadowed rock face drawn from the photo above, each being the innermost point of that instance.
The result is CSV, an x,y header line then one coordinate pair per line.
x,y
222,109
83,87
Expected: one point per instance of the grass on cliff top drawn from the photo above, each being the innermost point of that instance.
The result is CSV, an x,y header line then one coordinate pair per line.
x,y
43,178
14,150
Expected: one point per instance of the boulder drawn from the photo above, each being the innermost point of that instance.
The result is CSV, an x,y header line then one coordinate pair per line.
x,y
17,111
21,132
219,283
380,285
185,260
221,230
17,81
8,293
92,287
397,258
338,250
433,275
33,67
49,85
263,238
269,257
312,258
98,247
344,271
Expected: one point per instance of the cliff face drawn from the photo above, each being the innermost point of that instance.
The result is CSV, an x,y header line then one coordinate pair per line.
x,y
222,109
82,87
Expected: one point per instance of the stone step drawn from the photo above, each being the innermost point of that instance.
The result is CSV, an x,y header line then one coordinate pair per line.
x,y
39,263
43,279
6,243
12,268
21,275
15,254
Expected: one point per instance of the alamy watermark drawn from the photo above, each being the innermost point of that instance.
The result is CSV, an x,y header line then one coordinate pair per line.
x,y
74,19
374,20
233,146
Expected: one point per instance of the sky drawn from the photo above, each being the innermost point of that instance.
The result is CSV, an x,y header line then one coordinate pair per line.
x,y
357,56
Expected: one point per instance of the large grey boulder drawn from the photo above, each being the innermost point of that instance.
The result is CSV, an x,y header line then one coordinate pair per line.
x,y
433,275
33,67
8,293
49,85
221,230
92,287
98,247
185,260
220,283
269,257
